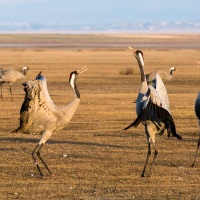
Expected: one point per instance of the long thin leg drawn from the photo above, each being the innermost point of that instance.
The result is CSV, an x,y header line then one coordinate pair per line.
x,y
11,91
35,161
38,153
1,90
149,151
198,144
147,159
154,158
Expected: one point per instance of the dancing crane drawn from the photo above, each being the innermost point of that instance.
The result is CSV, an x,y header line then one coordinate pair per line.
x,y
152,110
39,115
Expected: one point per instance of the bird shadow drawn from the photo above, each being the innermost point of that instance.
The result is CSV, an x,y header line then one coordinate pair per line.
x,y
32,140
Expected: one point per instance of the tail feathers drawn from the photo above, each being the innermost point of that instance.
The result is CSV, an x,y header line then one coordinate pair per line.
x,y
173,132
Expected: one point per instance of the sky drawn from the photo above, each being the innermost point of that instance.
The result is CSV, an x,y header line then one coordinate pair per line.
x,y
78,12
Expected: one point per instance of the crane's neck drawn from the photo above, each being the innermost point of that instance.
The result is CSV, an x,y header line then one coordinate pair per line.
x,y
24,72
171,71
74,87
144,87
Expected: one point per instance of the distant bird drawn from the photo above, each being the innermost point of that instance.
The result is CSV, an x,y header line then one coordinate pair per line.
x,y
152,108
165,76
197,112
10,76
39,115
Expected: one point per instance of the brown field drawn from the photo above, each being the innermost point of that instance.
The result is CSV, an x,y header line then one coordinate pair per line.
x,y
93,158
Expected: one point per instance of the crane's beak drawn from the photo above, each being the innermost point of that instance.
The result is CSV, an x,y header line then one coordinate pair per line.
x,y
82,70
133,50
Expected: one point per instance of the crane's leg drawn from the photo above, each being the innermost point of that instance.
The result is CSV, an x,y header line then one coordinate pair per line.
x,y
1,91
148,153
198,144
11,91
35,160
152,133
39,156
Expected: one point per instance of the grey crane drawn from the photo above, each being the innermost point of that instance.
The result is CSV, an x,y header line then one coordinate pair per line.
x,y
39,115
197,112
10,76
163,74
152,110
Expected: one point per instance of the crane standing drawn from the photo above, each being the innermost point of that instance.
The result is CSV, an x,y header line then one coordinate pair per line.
x,y
10,76
39,115
152,110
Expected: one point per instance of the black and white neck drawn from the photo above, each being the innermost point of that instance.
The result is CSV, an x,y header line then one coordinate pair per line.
x,y
72,81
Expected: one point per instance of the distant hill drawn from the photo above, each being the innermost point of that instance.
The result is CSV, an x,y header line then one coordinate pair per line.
x,y
173,27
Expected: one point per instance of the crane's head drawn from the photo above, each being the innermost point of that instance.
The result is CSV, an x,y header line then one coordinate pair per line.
x,y
138,55
172,69
40,77
73,75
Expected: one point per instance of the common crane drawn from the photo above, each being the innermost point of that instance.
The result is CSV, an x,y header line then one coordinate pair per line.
x,y
163,74
39,115
152,109
10,76
197,112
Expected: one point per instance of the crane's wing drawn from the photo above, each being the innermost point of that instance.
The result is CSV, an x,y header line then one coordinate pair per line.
x,y
161,89
153,110
36,111
197,106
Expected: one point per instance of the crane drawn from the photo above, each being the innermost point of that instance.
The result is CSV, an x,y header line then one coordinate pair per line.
x,y
39,115
197,112
10,76
152,109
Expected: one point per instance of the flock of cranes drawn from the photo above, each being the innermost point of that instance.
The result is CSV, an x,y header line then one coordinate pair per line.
x,y
40,116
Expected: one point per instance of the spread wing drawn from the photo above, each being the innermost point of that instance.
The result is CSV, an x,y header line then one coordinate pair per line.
x,y
153,110
161,89
37,109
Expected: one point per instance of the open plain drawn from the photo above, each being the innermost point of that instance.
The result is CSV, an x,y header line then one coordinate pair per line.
x,y
93,157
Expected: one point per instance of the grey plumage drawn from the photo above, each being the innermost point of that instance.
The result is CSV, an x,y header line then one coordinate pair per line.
x,y
39,115
152,108
10,76
163,74
197,112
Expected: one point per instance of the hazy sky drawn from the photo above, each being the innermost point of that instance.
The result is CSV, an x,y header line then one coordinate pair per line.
x,y
98,12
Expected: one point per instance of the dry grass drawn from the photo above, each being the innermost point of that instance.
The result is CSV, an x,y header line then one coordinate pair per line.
x,y
93,158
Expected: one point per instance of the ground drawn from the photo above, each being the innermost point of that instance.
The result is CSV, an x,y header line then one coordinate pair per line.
x,y
93,157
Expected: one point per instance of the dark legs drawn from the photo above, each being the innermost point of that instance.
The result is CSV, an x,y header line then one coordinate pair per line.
x,y
147,159
11,92
1,91
198,144
149,132
37,151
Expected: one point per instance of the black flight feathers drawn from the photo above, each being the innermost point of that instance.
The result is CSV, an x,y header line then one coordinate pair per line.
x,y
152,112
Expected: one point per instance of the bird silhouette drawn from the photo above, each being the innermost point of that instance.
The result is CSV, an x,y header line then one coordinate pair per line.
x,y
152,108
10,76
39,115
197,112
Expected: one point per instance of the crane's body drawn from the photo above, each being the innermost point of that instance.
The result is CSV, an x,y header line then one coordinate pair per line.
x,y
11,76
197,112
39,115
152,108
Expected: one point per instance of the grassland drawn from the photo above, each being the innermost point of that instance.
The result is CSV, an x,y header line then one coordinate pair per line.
x,y
93,158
